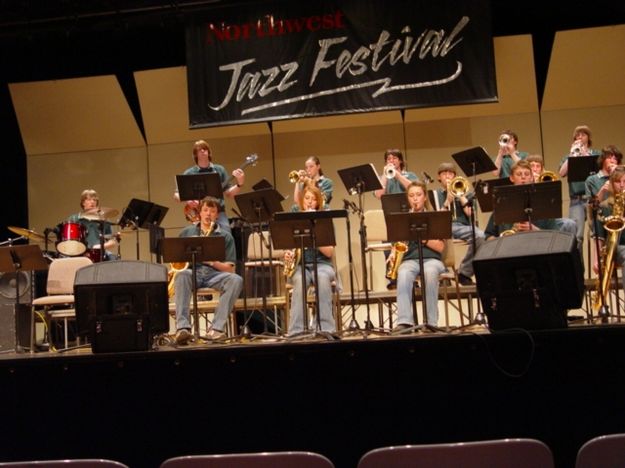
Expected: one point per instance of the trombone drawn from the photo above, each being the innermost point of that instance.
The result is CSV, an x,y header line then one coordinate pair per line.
x,y
458,187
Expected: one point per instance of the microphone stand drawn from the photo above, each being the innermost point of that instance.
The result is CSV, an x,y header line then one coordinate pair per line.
x,y
604,310
353,323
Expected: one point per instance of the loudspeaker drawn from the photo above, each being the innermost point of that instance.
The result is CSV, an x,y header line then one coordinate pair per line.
x,y
529,279
15,324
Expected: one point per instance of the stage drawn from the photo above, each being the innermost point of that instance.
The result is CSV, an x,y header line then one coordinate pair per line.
x,y
340,398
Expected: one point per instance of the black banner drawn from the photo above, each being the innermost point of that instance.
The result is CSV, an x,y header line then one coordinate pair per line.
x,y
301,59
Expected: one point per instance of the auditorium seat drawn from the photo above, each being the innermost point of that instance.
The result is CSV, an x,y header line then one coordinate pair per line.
x,y
503,453
606,451
251,460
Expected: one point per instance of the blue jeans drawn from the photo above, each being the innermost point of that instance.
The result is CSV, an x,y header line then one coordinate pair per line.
x,y
406,275
577,212
326,275
462,231
228,284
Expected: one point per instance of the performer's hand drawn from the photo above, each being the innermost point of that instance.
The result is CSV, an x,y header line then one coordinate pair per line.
x,y
239,175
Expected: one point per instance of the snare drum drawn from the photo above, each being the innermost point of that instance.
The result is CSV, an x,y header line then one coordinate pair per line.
x,y
72,239
94,254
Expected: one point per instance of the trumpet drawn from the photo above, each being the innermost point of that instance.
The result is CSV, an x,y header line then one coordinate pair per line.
x,y
294,175
547,176
389,171
504,138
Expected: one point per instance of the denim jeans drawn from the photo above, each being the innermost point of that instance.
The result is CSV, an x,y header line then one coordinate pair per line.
x,y
462,231
406,275
228,284
326,275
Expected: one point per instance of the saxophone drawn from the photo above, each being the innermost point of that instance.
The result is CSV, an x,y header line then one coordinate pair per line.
x,y
176,267
614,225
397,254
291,265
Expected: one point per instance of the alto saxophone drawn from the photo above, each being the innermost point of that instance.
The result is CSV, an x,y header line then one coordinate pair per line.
x,y
291,264
397,254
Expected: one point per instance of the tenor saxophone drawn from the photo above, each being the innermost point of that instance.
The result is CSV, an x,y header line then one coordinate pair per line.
x,y
397,254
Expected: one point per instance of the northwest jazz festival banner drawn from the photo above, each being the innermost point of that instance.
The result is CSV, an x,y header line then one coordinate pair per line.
x,y
300,59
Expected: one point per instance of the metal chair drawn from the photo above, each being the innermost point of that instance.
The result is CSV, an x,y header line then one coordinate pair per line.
x,y
607,451
503,453
82,463
251,460
60,293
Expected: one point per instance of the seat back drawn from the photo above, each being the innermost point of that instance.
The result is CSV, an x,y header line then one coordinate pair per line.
x,y
602,452
376,226
448,255
257,247
62,272
251,460
82,463
508,453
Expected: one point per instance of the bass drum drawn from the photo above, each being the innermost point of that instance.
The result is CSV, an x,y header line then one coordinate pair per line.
x,y
72,239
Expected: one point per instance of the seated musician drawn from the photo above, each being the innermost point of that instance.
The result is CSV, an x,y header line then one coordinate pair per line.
x,y
460,205
211,274
409,268
311,200
540,175
606,209
598,184
89,202
520,174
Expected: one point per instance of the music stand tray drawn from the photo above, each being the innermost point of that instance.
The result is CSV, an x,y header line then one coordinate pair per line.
x,y
485,189
260,205
512,202
360,179
198,186
474,161
182,249
418,226
580,167
395,203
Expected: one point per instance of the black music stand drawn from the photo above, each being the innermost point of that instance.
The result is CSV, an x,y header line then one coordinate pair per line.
x,y
580,167
395,203
419,227
142,214
485,189
18,258
358,180
258,207
306,229
528,202
193,250
198,186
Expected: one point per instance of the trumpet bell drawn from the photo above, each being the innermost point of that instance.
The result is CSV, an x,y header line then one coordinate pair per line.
x,y
458,186
293,176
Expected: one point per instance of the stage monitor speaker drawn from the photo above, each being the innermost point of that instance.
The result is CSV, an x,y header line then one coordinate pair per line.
x,y
121,304
529,279
15,327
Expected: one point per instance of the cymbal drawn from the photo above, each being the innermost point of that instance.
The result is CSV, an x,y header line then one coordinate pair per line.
x,y
99,214
29,233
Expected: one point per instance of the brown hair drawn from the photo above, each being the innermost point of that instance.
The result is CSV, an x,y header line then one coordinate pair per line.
x,y
201,144
398,154
419,183
316,192
91,194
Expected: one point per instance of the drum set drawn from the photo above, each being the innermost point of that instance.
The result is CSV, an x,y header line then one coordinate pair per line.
x,y
71,236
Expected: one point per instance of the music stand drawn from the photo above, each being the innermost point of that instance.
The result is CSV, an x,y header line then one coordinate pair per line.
x,y
580,167
193,250
358,180
142,214
528,202
419,227
305,229
258,207
485,189
198,186
395,203
17,258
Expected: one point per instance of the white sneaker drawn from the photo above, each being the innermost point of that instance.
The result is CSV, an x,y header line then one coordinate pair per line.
x,y
183,336
215,335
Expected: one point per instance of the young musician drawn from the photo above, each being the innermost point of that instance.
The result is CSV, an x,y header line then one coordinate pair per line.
x,y
313,173
581,146
409,268
598,184
444,199
395,178
508,154
204,163
312,200
212,274
521,174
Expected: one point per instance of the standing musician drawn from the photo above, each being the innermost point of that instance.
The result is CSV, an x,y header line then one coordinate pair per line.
x,y
213,274
313,173
90,202
581,146
204,163
409,270
521,174
598,184
311,200
606,208
395,179
540,175
460,206
508,154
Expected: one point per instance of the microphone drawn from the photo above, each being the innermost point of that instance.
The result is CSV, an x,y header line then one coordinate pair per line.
x,y
427,178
